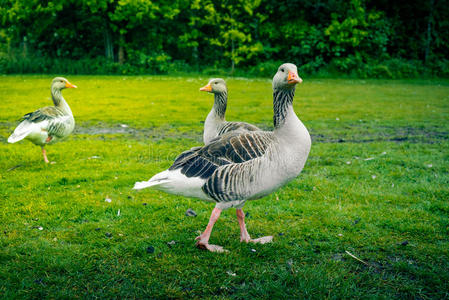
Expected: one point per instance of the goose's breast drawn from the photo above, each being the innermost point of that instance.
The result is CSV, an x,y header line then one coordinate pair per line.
x,y
62,127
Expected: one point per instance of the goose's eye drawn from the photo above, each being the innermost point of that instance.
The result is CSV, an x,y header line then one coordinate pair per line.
x,y
216,82
282,70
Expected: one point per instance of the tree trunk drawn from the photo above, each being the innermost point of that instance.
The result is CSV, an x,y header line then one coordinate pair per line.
x,y
195,58
25,47
429,33
121,50
108,45
10,51
232,57
232,45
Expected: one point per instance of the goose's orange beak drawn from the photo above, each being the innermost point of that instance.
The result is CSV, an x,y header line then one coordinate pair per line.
x,y
293,78
70,86
206,88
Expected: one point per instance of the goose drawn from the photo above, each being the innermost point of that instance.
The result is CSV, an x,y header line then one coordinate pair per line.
x,y
215,124
49,124
237,167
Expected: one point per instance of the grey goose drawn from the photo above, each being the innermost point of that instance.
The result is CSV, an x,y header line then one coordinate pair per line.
x,y
237,167
49,124
215,123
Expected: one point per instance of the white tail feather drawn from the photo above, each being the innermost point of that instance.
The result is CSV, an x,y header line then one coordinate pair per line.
x,y
15,138
159,178
146,184
22,131
174,182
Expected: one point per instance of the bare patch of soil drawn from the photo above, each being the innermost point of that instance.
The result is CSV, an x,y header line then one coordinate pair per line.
x,y
349,133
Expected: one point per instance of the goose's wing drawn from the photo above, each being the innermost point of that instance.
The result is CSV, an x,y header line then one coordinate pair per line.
x,y
43,114
40,123
231,148
199,171
237,181
51,119
237,127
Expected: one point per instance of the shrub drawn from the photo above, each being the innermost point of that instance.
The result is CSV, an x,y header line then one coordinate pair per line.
x,y
380,71
265,69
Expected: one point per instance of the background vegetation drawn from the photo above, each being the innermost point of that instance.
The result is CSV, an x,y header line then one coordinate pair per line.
x,y
362,38
376,185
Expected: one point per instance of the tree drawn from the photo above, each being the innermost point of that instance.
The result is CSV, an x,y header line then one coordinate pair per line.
x,y
226,26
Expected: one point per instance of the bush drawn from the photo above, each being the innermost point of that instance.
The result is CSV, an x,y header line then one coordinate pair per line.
x,y
439,67
139,63
145,64
380,71
405,69
265,69
313,67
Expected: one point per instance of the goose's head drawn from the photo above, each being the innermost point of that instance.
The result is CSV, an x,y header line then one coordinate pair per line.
x,y
286,77
60,83
216,86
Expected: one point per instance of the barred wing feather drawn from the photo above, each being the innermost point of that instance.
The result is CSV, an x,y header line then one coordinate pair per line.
x,y
237,127
235,151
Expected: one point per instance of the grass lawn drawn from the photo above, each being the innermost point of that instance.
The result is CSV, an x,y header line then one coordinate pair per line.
x,y
376,185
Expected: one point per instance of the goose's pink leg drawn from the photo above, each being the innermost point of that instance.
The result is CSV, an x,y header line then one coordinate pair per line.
x,y
44,153
203,239
244,235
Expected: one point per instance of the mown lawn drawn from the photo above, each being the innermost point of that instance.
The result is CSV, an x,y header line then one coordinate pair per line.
x,y
376,185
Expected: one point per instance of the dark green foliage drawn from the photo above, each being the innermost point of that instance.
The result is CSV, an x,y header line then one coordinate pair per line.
x,y
362,38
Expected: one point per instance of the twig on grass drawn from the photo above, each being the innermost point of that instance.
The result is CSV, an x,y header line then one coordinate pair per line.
x,y
356,258
13,168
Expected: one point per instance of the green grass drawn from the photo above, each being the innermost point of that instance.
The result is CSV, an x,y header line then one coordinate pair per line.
x,y
390,211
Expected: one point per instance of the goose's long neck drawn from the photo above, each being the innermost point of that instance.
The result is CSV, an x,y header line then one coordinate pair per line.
x,y
289,129
220,103
282,106
59,101
215,118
